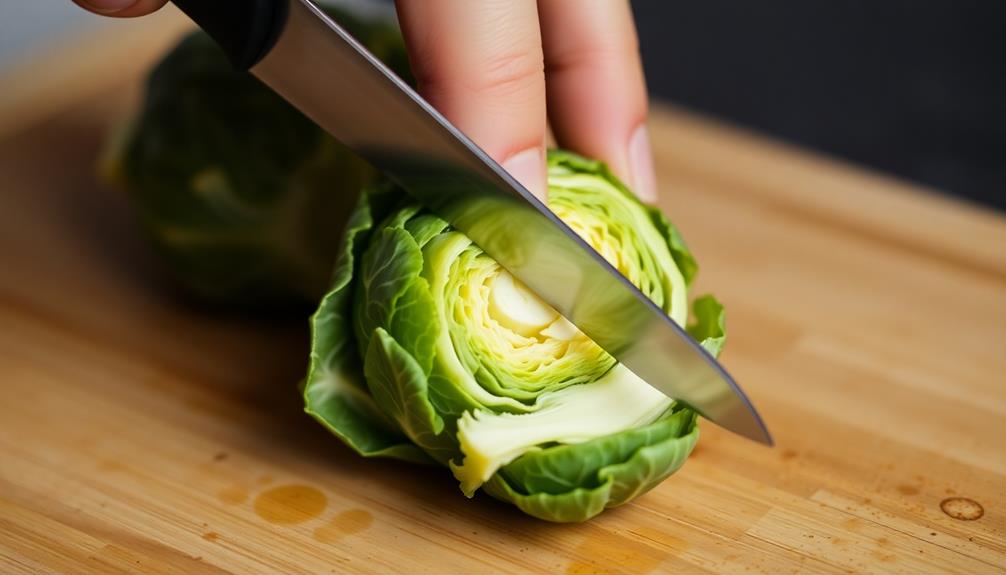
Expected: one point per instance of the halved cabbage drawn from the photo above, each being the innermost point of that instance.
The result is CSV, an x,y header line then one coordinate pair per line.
x,y
427,349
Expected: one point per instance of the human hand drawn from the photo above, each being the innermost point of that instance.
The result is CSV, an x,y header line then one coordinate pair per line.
x,y
491,66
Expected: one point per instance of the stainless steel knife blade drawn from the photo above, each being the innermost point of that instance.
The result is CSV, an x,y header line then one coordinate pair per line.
x,y
330,77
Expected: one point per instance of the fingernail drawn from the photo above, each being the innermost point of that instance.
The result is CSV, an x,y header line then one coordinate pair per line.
x,y
644,177
109,6
528,168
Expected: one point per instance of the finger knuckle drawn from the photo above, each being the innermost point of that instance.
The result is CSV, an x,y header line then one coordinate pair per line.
x,y
598,54
509,73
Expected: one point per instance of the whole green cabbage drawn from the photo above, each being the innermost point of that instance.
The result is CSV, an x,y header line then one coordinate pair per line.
x,y
425,349
235,188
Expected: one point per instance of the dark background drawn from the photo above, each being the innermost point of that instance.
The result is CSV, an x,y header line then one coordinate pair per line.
x,y
915,88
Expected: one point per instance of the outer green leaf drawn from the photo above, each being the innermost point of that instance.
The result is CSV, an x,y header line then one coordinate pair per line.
x,y
603,486
573,506
335,393
393,295
653,463
709,326
564,467
679,249
398,385
424,227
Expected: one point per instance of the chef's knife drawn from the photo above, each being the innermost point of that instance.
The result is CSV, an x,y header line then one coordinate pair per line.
x,y
302,54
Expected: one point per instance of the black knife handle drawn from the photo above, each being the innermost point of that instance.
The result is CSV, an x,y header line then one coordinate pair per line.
x,y
245,29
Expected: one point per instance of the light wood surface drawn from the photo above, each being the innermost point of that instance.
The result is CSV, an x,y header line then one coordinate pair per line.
x,y
138,434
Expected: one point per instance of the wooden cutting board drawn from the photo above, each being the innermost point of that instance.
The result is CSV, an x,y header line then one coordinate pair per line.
x,y
139,434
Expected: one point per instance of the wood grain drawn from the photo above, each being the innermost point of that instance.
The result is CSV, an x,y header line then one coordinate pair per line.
x,y
141,434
